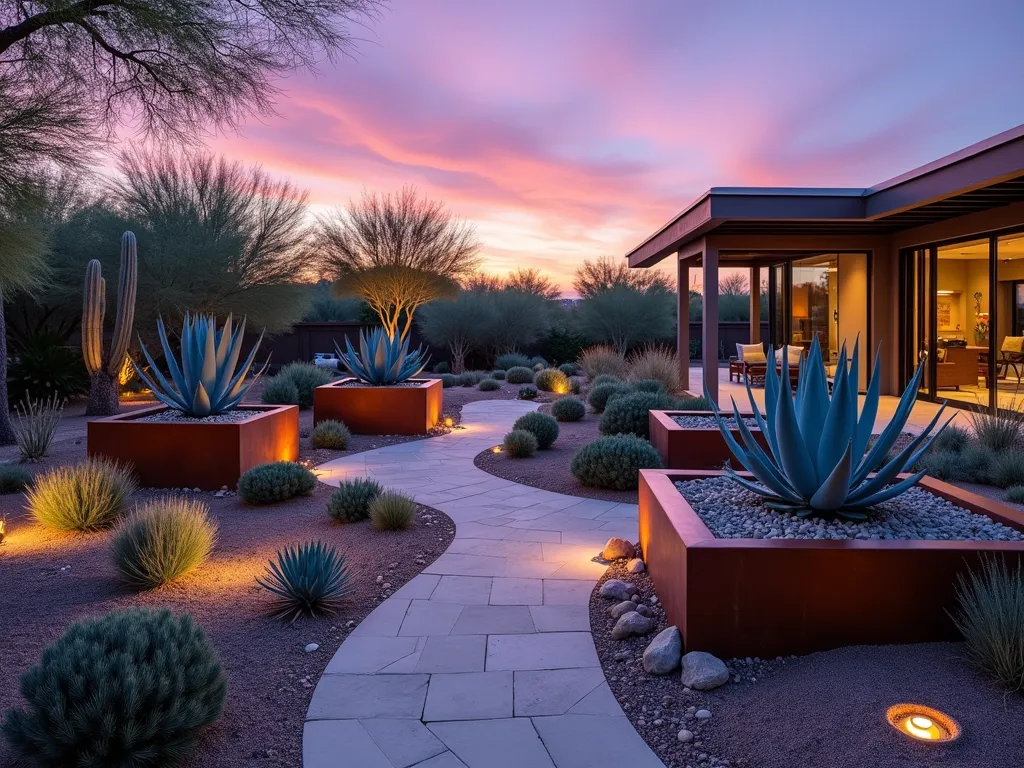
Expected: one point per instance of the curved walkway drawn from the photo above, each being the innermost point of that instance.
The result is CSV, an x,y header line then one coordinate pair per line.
x,y
484,660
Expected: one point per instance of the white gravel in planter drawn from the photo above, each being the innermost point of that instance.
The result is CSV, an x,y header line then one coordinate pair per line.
x,y
731,512
173,415
708,422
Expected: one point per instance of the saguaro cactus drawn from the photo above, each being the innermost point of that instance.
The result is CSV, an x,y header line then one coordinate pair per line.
x,y
104,368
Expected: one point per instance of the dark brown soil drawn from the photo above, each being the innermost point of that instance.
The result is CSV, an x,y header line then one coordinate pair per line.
x,y
51,580
825,709
551,469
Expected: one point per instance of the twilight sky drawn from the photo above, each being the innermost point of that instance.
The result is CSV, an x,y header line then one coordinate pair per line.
x,y
569,129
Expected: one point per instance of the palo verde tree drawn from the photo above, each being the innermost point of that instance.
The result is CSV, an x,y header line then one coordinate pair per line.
x,y
396,252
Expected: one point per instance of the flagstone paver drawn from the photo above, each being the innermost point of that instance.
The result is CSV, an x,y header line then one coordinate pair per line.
x,y
484,660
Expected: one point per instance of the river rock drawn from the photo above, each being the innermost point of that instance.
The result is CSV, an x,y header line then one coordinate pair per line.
x,y
616,589
702,671
620,608
636,565
663,654
618,549
630,624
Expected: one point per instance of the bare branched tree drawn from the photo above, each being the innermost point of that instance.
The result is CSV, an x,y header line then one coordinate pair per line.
x,y
396,252
733,284
534,282
608,272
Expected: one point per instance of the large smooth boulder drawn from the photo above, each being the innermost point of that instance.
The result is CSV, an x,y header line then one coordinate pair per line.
x,y
618,549
702,671
616,589
662,656
630,624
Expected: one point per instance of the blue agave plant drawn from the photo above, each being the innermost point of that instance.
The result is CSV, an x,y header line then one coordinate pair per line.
x,y
205,383
382,359
818,461
308,579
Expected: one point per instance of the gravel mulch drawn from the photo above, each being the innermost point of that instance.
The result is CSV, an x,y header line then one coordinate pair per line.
x,y
824,709
731,512
709,422
550,469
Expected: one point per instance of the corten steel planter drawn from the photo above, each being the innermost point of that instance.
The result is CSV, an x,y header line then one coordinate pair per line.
x,y
693,448
196,455
366,410
773,597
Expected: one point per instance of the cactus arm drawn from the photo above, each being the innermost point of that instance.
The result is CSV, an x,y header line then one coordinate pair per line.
x,y
126,289
93,310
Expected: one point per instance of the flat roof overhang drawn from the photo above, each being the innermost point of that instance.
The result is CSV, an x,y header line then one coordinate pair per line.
x,y
985,175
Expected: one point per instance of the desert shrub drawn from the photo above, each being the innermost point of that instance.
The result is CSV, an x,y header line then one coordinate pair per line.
x,y
628,414
331,434
656,362
280,390
276,481
599,395
392,511
568,409
519,375
442,367
162,540
543,427
490,385
602,359
605,378
647,385
306,377
43,366
520,444
998,433
614,462
351,502
1008,468
576,385
83,497
133,688
991,619
538,360
511,360
551,380
1015,493
688,403
14,479
974,464
308,579
449,380
953,439
568,369
529,392
35,426
498,374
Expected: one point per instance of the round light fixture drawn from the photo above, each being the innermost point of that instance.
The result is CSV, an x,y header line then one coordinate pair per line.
x,y
496,449
922,723
448,422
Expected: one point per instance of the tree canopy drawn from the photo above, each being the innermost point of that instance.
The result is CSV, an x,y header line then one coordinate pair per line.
x,y
607,272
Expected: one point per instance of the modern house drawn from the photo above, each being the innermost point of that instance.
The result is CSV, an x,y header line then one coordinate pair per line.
x,y
929,264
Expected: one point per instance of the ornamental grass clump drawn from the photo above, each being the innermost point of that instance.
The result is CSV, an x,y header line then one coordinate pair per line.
x,y
818,461
519,375
308,579
351,502
275,481
614,462
511,360
83,497
974,464
953,438
35,426
1008,468
520,444
551,380
306,377
568,409
490,385
279,390
14,479
628,413
133,688
658,363
602,359
392,511
542,426
998,432
991,619
1015,493
162,540
331,434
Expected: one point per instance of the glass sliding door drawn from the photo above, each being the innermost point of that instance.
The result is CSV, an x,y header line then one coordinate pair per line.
x,y
1007,323
778,311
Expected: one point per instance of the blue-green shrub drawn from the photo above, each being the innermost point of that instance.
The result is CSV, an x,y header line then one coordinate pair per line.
x,y
306,377
520,444
692,404
351,502
280,390
1008,468
953,438
529,392
275,481
498,374
331,434
511,360
519,375
490,385
605,378
628,414
133,688
568,369
538,360
542,426
442,367
614,462
568,409
14,479
598,397
449,380
1015,493
648,385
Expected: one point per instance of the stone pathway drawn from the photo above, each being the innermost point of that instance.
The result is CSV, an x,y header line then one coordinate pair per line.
x,y
484,660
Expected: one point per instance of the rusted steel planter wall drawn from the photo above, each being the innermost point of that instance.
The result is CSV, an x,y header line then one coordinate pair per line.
x,y
772,597
203,455
687,448
381,410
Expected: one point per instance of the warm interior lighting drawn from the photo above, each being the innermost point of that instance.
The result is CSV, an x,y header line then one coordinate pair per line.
x,y
923,723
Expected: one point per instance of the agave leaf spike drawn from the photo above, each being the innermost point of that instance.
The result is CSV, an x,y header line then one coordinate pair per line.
x,y
172,364
840,421
208,377
832,493
165,392
186,353
224,341
777,482
238,386
201,402
866,423
227,385
795,461
813,399
891,491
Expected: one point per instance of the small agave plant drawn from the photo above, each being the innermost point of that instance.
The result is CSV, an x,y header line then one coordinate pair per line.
x,y
382,359
818,461
309,579
205,383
